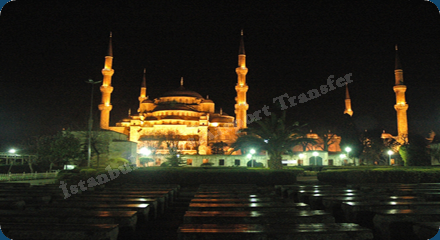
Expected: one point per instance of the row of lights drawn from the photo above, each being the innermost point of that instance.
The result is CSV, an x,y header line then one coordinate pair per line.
x,y
146,152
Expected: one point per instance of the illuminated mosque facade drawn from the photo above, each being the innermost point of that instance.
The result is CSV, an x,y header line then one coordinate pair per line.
x,y
180,117
190,123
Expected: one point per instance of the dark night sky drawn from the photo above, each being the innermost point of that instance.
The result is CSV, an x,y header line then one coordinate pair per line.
x,y
50,48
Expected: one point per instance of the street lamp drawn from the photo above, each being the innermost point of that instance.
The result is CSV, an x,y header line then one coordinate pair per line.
x,y
145,151
315,154
301,156
251,153
348,150
389,156
89,149
12,151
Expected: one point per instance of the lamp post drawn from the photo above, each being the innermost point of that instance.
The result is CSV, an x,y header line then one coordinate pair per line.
x,y
251,153
11,151
348,150
389,156
301,156
342,156
89,148
315,154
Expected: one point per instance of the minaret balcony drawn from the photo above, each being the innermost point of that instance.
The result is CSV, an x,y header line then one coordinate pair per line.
x,y
241,70
106,89
103,107
399,88
239,88
401,107
107,72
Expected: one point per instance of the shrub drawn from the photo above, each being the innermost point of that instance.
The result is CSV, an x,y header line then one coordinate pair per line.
x,y
87,172
208,164
381,175
144,160
165,164
117,162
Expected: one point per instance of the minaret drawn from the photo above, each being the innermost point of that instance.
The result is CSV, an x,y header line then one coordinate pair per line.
x,y
401,105
348,109
143,94
241,105
106,89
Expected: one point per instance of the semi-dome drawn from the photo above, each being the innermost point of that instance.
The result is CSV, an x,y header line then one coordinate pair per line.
x,y
147,101
181,91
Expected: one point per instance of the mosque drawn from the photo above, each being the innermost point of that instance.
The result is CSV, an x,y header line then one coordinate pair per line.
x,y
181,119
186,121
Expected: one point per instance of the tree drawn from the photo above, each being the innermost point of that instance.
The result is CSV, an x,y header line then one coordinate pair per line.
x,y
174,160
373,148
194,143
326,132
350,136
304,141
271,134
98,146
415,153
328,137
58,149
434,148
218,147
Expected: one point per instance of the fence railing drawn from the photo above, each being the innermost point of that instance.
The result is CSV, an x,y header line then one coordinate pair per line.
x,y
27,176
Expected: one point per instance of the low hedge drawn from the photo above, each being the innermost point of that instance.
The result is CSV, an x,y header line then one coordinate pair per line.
x,y
381,175
75,175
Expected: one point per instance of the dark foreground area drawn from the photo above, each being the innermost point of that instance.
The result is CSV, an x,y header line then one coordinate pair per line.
x,y
226,205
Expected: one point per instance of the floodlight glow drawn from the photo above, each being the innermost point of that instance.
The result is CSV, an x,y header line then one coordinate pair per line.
x,y
301,155
348,149
390,152
145,151
342,156
12,151
252,151
315,154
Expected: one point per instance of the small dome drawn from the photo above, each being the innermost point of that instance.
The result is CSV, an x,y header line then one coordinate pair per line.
x,y
181,91
147,101
207,101
221,118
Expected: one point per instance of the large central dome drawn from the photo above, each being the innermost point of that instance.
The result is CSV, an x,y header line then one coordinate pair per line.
x,y
181,91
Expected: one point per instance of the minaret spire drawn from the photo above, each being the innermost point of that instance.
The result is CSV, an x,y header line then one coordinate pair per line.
x,y
143,94
181,81
241,105
348,109
106,89
110,47
401,105
241,49
144,79
398,66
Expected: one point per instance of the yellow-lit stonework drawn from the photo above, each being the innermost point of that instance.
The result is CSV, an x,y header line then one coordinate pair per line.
x,y
180,117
